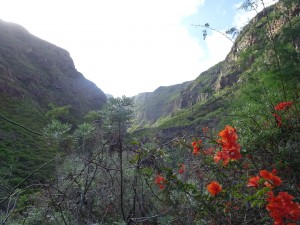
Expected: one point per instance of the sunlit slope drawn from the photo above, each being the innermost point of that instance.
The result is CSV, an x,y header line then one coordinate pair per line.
x,y
264,59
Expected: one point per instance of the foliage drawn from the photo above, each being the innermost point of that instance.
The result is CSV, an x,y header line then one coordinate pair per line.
x,y
117,113
58,112
92,116
56,130
22,151
238,163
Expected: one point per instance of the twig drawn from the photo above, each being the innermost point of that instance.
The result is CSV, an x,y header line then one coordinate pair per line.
x,y
20,125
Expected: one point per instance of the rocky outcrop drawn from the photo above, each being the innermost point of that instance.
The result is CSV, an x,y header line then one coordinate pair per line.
x,y
253,44
150,106
227,73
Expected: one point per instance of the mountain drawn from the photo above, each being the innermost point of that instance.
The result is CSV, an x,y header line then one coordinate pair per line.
x,y
150,106
34,69
34,74
264,56
104,175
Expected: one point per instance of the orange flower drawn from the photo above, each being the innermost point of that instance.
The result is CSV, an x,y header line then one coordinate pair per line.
x,y
270,177
181,168
253,181
218,157
221,156
265,174
274,171
160,181
214,188
234,154
228,135
196,145
230,147
282,206
283,106
278,119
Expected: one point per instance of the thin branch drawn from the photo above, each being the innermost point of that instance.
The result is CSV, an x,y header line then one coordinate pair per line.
x,y
35,171
20,125
203,26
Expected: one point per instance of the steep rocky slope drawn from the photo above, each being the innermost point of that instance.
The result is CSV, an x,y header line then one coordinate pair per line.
x,y
31,68
150,106
249,47
253,51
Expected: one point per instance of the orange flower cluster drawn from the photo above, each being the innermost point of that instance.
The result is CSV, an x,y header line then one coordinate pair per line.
x,y
160,181
181,168
214,188
282,207
253,181
270,179
278,119
196,146
230,147
283,106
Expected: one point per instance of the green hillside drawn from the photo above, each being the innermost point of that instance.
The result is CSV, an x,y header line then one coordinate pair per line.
x,y
33,74
221,149
256,68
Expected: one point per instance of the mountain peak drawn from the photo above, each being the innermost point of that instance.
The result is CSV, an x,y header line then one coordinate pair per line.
x,y
43,72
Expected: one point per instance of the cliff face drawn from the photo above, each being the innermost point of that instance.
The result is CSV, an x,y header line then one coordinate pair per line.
x,y
150,106
253,44
31,68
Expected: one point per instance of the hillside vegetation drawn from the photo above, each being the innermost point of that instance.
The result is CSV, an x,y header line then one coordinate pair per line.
x,y
222,149
34,74
255,65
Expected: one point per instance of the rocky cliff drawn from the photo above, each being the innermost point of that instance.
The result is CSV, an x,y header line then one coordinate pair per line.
x,y
151,106
253,50
33,69
252,43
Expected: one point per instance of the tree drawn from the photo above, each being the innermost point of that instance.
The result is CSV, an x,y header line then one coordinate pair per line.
x,y
117,115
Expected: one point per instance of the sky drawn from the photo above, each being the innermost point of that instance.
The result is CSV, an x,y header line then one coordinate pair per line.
x,y
133,46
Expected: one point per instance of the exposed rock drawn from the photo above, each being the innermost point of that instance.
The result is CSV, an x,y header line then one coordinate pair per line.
x,y
227,73
151,106
248,46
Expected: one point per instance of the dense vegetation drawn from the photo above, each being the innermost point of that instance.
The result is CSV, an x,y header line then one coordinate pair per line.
x,y
34,74
231,158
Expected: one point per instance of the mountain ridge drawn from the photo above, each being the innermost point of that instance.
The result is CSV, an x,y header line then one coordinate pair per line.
x,y
35,74
249,48
34,67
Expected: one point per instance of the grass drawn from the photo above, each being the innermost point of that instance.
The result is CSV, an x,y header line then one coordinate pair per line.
x,y
22,151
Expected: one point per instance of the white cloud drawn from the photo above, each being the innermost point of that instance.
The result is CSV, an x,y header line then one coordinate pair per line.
x,y
125,47
219,46
243,17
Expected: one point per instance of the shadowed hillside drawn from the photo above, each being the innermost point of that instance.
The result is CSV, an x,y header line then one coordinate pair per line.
x,y
34,73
